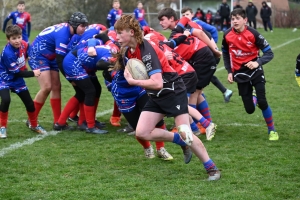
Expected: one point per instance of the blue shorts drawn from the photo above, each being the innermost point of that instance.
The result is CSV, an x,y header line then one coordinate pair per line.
x,y
18,85
143,23
73,68
42,63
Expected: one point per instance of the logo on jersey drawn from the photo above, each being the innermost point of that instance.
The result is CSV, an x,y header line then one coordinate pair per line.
x,y
63,45
249,43
146,58
178,107
240,53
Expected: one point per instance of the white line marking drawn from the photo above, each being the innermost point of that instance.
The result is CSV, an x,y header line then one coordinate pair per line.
x,y
38,137
279,46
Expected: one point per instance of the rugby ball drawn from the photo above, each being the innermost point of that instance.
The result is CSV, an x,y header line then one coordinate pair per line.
x,y
137,69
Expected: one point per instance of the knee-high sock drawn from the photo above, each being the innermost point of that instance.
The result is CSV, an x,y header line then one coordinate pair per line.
x,y
38,106
3,118
204,110
32,118
74,112
116,111
72,104
269,118
56,108
89,115
145,143
160,144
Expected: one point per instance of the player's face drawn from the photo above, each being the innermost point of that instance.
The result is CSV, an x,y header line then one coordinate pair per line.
x,y
21,8
15,40
125,37
188,14
166,23
238,23
116,5
80,29
140,6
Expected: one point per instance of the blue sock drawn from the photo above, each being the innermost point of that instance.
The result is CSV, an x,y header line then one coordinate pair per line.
x,y
177,140
204,110
209,165
269,119
204,122
194,126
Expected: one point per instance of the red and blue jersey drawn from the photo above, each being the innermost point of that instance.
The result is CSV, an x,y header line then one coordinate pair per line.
x,y
20,19
51,41
114,15
140,16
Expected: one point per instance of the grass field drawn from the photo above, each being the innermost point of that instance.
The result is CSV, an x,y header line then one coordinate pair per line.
x,y
76,165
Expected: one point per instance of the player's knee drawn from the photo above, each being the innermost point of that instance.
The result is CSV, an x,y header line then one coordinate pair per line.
x,y
250,110
184,128
263,104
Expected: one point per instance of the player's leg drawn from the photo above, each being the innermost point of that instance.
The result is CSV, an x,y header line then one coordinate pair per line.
x,y
4,107
55,95
28,102
266,110
245,91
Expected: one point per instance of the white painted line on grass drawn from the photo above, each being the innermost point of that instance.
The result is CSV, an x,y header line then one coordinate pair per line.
x,y
279,46
30,141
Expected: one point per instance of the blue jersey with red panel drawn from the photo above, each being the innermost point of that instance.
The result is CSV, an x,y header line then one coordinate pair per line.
x,y
20,19
209,28
114,15
140,16
74,41
51,41
11,60
124,94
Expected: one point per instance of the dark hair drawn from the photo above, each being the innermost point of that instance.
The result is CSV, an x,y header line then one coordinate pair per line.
x,y
167,12
238,11
21,2
185,9
13,30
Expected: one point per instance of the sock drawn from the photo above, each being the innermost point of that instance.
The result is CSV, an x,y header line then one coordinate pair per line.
x,y
3,118
204,122
72,104
160,144
81,114
38,106
177,140
194,126
56,108
96,105
116,112
204,110
74,112
89,115
209,165
32,118
269,119
145,143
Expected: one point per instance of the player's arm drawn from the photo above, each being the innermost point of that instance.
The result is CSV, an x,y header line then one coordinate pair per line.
x,y
174,42
28,74
264,46
59,61
226,57
297,70
28,28
5,24
108,19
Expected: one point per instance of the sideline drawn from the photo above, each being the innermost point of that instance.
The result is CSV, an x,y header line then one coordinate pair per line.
x,y
40,137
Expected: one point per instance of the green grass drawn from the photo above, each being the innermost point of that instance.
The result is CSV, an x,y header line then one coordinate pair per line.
x,y
75,165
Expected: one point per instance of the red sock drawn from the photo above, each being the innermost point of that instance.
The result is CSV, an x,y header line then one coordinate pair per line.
x,y
3,118
96,105
56,108
32,118
89,115
116,111
74,112
70,106
81,114
38,106
145,143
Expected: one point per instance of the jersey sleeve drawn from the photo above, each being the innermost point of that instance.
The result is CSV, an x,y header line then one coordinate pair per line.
x,y
61,42
226,57
151,59
11,64
264,46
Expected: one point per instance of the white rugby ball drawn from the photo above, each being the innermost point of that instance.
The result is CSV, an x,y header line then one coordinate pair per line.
x,y
137,69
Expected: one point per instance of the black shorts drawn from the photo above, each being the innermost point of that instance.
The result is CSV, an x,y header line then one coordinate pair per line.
x,y
190,80
246,88
204,63
171,106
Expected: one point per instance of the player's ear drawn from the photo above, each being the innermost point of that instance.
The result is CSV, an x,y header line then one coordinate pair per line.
x,y
131,32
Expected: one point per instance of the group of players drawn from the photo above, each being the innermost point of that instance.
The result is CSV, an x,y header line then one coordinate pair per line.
x,y
179,69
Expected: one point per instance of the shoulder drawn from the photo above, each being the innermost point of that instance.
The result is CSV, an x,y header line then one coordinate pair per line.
x,y
227,31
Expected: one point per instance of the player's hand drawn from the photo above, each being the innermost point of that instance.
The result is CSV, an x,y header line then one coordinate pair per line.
x,y
37,72
252,65
297,79
169,55
92,51
128,76
217,53
230,78
187,32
